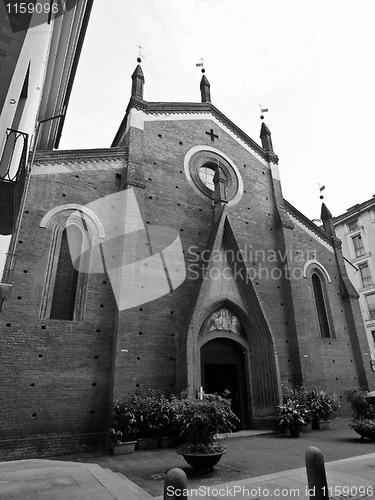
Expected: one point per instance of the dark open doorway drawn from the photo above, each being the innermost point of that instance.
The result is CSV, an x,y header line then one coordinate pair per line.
x,y
223,379
223,369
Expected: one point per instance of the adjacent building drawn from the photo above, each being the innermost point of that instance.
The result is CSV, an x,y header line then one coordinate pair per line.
x,y
356,229
39,53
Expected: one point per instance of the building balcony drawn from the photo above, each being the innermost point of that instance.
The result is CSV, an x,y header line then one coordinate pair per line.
x,y
12,178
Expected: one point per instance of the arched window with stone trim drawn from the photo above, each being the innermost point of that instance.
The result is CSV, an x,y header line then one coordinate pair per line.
x,y
66,281
320,305
68,264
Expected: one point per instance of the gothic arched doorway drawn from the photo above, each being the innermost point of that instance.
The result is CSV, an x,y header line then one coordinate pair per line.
x,y
223,372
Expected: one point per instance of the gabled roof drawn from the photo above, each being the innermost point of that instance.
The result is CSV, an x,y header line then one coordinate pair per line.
x,y
189,108
308,223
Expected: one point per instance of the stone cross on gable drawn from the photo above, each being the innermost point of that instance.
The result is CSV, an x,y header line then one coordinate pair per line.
x,y
212,135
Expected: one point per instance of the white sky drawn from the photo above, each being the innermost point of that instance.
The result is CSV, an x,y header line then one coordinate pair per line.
x,y
310,62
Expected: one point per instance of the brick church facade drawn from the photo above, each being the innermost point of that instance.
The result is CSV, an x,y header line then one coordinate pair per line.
x,y
262,300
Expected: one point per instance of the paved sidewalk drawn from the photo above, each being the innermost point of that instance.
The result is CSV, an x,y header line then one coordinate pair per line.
x,y
55,480
351,478
257,466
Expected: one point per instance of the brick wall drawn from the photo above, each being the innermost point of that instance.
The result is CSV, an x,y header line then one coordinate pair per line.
x,y
56,375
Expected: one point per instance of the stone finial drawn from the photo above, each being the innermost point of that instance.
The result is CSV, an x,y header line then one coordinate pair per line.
x,y
138,82
205,89
265,135
326,218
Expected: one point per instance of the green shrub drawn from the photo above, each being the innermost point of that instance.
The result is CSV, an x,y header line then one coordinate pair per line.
x,y
140,414
365,428
361,408
202,419
291,413
313,403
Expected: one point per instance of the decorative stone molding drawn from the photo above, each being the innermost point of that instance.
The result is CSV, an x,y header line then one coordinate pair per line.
x,y
80,156
200,156
317,264
224,320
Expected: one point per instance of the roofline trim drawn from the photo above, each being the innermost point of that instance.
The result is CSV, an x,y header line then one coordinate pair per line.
x,y
177,108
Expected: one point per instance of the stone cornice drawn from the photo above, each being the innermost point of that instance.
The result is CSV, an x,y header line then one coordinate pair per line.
x,y
355,210
308,223
80,156
159,108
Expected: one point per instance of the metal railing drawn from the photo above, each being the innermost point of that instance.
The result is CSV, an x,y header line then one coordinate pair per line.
x,y
13,174
13,159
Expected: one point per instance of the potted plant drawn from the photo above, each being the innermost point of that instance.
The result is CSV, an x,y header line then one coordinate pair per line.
x,y
118,445
148,409
171,416
123,434
292,415
321,405
329,404
201,420
360,406
363,413
365,428
301,396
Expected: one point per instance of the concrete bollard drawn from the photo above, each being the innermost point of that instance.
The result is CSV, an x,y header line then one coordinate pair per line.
x,y
175,484
316,474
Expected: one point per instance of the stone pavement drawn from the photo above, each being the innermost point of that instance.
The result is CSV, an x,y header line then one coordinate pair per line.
x,y
56,480
257,466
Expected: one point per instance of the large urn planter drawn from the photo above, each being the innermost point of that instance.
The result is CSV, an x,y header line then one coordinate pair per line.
x,y
202,462
364,434
365,428
123,448
147,443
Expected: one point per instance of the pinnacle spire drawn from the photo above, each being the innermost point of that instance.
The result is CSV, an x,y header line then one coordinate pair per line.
x,y
265,135
205,89
138,80
326,218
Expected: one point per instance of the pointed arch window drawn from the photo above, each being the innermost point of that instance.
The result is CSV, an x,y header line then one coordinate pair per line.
x,y
320,306
66,281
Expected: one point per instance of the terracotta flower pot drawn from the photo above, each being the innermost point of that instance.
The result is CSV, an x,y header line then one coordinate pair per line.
x,y
123,448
